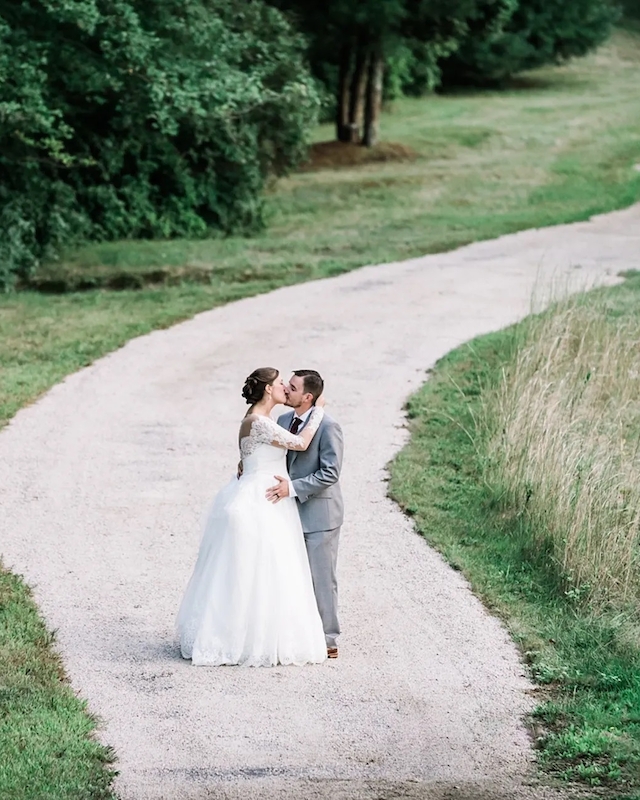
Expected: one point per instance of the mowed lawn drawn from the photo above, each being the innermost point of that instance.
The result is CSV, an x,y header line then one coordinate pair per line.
x,y
559,145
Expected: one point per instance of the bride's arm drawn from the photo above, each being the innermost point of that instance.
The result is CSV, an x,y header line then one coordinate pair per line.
x,y
264,430
267,431
301,441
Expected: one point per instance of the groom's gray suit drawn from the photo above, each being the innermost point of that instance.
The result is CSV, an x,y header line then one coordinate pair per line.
x,y
315,475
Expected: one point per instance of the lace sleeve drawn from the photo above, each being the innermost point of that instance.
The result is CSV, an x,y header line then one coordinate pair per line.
x,y
266,431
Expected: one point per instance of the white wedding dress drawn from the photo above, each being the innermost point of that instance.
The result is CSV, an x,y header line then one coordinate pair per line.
x,y
250,599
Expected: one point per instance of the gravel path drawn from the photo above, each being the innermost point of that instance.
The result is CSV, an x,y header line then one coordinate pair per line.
x,y
104,481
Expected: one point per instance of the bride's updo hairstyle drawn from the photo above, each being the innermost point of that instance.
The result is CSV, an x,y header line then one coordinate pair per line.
x,y
257,382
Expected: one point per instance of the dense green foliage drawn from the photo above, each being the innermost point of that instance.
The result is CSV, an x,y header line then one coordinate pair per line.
x,y
535,32
124,119
120,118
425,43
385,24
586,659
408,37
631,9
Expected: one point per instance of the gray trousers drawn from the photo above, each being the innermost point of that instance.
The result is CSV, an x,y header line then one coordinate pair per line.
x,y
322,549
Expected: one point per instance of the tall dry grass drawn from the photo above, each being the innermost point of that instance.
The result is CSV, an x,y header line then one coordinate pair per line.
x,y
565,447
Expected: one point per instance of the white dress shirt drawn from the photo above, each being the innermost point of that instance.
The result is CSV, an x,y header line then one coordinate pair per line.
x,y
303,417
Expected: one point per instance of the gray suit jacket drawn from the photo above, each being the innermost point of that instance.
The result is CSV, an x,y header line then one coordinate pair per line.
x,y
315,474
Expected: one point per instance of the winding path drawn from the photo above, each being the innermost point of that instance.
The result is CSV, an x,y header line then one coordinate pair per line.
x,y
102,487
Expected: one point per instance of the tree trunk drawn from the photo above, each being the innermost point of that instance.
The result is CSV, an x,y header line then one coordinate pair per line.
x,y
357,95
373,100
343,133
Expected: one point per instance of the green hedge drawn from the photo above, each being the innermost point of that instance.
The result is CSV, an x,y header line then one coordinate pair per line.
x,y
121,118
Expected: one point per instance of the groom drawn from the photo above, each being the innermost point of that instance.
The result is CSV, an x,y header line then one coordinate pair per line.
x,y
314,475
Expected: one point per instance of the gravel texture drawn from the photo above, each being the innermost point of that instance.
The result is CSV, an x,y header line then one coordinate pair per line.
x,y
104,482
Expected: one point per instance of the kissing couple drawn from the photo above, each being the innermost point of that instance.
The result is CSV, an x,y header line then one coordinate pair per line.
x,y
264,589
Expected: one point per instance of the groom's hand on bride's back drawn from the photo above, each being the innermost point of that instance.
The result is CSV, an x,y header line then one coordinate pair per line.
x,y
280,490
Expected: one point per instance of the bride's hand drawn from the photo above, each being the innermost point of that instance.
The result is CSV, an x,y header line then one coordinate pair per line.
x,y
321,402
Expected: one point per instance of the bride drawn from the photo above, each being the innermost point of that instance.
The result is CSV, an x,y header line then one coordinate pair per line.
x,y
250,599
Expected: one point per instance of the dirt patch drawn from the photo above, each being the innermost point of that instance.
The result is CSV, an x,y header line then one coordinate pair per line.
x,y
330,155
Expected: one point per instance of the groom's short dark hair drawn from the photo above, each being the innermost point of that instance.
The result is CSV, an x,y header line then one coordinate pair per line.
x,y
311,382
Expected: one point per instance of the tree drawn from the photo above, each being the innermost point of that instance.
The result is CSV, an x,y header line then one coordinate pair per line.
x,y
351,42
346,48
536,32
123,118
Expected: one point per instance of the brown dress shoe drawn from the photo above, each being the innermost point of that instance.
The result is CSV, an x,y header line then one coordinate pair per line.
x,y
332,652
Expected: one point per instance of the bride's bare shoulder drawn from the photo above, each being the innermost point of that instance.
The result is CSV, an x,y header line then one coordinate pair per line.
x,y
249,421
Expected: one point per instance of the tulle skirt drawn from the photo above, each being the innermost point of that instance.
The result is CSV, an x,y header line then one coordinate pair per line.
x,y
250,599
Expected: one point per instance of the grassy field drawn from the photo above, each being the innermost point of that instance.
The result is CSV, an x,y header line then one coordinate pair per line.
x,y
47,751
557,146
489,484
565,449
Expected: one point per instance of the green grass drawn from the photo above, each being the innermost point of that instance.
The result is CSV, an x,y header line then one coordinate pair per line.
x,y
586,661
558,146
47,749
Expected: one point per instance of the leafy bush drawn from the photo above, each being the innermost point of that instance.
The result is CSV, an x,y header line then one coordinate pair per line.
x,y
120,118
631,9
424,43
536,32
